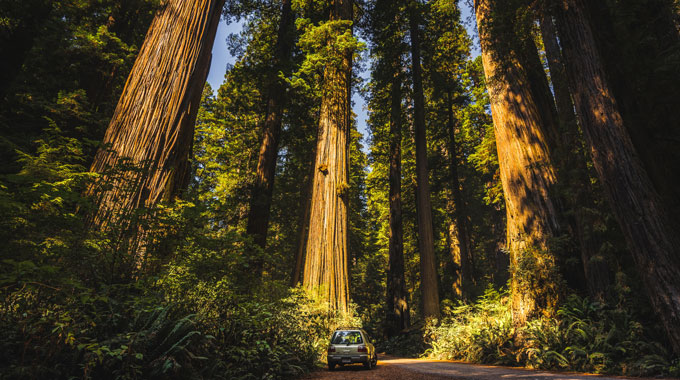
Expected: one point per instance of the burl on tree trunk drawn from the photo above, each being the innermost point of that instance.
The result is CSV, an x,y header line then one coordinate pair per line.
x,y
326,261
526,171
153,125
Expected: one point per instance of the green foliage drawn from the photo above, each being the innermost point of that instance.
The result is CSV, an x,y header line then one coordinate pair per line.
x,y
481,332
585,336
73,59
593,337
74,303
408,344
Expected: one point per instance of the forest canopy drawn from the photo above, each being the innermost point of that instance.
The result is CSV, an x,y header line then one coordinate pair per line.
x,y
512,197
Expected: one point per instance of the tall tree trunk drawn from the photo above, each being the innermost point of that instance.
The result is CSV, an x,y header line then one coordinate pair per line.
x,y
636,205
461,247
153,124
527,174
261,197
579,194
428,268
397,299
639,57
306,198
326,263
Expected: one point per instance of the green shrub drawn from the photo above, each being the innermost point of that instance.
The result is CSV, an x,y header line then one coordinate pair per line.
x,y
481,332
594,337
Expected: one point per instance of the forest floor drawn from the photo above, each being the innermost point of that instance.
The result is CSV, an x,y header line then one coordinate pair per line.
x,y
392,368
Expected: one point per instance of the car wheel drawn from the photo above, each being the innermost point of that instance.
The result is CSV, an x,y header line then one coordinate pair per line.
x,y
331,366
375,360
368,364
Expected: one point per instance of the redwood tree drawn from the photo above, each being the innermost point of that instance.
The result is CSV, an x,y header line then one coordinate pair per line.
x,y
459,234
578,193
428,271
326,262
261,197
397,298
635,202
526,170
153,124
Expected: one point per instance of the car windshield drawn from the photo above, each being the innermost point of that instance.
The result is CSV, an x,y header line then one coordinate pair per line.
x,y
347,337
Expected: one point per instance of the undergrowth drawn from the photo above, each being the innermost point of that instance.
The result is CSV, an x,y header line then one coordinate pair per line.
x,y
586,336
81,303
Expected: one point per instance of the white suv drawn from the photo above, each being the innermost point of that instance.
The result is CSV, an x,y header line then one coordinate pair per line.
x,y
349,346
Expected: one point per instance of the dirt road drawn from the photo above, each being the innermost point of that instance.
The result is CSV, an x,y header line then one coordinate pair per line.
x,y
390,368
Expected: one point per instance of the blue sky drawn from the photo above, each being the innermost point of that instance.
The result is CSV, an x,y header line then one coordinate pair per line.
x,y
221,58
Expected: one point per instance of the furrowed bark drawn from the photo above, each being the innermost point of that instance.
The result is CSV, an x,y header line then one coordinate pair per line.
x,y
580,194
326,261
261,197
428,271
398,317
526,171
634,200
153,124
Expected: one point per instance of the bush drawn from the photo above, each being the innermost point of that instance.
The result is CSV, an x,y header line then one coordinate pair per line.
x,y
594,337
480,333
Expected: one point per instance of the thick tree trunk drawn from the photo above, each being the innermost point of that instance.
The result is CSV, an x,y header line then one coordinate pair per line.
x,y
153,124
639,56
461,246
428,268
636,205
526,171
398,317
579,194
261,197
326,260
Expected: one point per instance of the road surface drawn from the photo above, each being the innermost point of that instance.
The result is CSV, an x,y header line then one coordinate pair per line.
x,y
391,368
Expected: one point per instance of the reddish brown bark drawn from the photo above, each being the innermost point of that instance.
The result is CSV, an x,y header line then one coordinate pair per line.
x,y
578,192
635,203
326,261
527,174
154,121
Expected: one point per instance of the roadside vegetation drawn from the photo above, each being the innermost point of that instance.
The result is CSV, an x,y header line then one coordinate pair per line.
x,y
585,336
